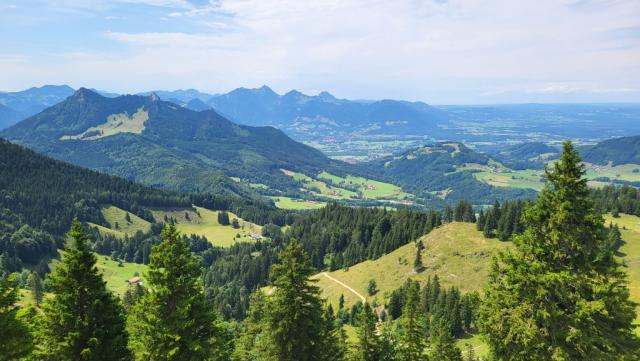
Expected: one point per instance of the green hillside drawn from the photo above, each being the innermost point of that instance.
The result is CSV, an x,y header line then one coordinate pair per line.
x,y
630,251
617,151
444,169
116,216
117,273
460,256
203,222
158,143
456,252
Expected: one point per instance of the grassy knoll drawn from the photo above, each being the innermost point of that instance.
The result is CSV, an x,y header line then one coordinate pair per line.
x,y
204,222
456,252
116,276
630,228
293,203
115,215
115,273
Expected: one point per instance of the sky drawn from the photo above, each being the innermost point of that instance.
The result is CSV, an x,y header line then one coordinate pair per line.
x,y
437,51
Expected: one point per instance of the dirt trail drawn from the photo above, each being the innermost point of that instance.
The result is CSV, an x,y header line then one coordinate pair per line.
x,y
345,286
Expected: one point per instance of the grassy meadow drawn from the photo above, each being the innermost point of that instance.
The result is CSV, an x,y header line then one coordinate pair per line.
x,y
204,222
293,203
630,252
117,275
456,252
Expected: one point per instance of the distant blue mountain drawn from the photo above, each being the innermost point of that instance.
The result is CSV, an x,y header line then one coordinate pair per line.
x,y
23,104
296,112
8,116
180,95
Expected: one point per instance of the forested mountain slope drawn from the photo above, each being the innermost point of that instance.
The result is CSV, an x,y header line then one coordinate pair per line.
x,y
617,151
39,197
164,145
444,169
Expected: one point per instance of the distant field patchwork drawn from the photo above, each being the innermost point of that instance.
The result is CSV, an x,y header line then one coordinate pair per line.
x,y
330,187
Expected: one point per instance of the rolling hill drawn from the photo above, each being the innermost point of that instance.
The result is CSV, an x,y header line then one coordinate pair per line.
x,y
456,252
151,141
616,151
460,256
446,170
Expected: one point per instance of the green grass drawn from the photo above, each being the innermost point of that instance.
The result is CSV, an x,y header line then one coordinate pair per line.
x,y
367,187
480,348
204,222
630,228
622,172
115,215
333,187
292,203
456,252
117,276
531,178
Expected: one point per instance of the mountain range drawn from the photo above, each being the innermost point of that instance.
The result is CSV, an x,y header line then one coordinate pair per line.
x,y
158,143
304,116
15,106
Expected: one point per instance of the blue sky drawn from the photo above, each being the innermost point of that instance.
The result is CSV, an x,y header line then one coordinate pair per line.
x,y
441,52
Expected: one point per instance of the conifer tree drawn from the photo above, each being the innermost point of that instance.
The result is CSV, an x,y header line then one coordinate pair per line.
x,y
412,340
173,321
35,284
83,321
480,221
417,262
442,344
368,347
15,337
254,342
561,295
296,318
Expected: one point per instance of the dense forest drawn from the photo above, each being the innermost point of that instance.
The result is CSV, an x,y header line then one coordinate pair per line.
x,y
39,197
338,237
201,302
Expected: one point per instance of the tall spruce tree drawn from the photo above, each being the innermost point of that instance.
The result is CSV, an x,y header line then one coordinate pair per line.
x,y
35,285
368,347
412,339
442,346
15,337
173,321
83,320
254,343
561,295
296,319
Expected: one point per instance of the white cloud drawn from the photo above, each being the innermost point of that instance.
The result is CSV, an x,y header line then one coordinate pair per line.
x,y
439,51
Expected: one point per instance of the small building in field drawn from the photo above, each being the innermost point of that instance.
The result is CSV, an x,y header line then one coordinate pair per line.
x,y
134,281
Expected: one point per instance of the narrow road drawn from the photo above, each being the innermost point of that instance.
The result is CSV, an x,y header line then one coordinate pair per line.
x,y
345,286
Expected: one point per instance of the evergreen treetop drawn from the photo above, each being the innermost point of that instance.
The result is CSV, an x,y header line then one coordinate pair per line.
x,y
561,295
83,321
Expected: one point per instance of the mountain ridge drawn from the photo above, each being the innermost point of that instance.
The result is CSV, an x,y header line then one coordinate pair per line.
x,y
200,146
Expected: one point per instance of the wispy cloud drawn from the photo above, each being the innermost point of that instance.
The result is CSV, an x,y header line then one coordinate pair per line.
x,y
438,51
